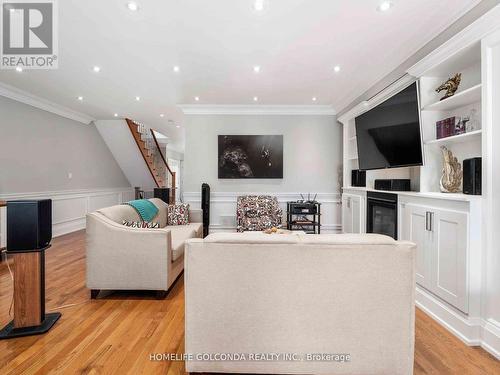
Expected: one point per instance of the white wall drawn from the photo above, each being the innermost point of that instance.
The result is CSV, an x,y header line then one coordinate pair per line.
x,y
116,134
311,158
39,149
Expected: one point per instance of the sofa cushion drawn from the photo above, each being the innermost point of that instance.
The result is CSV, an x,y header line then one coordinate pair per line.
x,y
198,229
141,224
178,214
253,238
119,213
346,239
122,212
162,211
180,233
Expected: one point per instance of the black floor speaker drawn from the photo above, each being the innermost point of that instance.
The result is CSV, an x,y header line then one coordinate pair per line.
x,y
29,224
472,176
205,206
163,194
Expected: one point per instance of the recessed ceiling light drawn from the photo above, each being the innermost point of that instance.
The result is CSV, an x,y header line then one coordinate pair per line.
x,y
384,6
115,115
177,126
256,69
255,99
133,6
336,69
258,5
162,115
176,69
80,98
137,98
197,98
314,99
96,69
19,69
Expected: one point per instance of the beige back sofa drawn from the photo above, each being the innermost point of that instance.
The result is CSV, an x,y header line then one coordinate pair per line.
x,y
120,257
286,304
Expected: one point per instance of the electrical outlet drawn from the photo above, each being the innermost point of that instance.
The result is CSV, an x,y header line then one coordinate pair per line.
x,y
70,175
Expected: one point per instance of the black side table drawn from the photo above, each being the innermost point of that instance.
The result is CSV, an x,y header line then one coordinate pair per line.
x,y
305,216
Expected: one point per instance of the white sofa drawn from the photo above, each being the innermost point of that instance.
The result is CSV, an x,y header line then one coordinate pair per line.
x,y
120,257
298,295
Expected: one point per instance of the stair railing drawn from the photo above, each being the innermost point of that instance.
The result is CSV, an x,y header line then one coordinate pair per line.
x,y
150,150
171,173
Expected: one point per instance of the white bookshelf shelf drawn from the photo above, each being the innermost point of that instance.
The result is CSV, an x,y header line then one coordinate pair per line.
x,y
461,99
465,137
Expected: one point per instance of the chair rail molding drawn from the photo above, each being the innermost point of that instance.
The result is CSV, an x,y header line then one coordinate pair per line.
x,y
69,207
25,97
223,208
296,110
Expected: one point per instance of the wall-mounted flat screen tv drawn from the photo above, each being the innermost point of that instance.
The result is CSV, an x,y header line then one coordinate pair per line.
x,y
389,135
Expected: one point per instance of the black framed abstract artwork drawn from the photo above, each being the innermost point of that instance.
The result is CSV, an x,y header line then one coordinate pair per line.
x,y
250,156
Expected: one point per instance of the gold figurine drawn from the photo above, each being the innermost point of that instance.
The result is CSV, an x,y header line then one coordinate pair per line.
x,y
451,86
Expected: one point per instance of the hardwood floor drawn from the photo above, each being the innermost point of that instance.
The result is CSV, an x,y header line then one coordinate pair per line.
x,y
117,334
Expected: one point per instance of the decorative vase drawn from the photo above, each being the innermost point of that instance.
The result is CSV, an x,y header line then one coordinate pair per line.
x,y
451,179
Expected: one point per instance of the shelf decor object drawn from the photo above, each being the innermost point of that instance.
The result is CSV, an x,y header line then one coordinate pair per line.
x,y
451,180
451,86
460,99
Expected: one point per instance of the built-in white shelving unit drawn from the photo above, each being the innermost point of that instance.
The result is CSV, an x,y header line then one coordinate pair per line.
x,y
461,99
466,103
458,268
465,137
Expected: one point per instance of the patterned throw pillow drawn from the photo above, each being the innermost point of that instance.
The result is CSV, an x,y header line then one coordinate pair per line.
x,y
178,214
141,224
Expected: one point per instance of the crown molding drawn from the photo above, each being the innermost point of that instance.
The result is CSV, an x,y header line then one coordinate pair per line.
x,y
471,34
295,110
16,94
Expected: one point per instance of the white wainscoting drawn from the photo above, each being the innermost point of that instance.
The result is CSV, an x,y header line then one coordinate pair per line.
x,y
69,207
223,209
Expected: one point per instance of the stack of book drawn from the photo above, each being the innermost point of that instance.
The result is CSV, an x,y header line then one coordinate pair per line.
x,y
449,126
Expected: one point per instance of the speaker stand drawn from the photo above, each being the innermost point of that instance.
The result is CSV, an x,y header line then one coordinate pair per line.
x,y
29,296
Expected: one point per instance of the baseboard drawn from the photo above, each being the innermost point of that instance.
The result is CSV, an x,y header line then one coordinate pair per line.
x,y
490,337
472,331
69,207
466,329
68,227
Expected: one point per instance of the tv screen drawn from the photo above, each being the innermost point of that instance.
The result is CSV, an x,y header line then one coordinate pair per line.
x,y
388,136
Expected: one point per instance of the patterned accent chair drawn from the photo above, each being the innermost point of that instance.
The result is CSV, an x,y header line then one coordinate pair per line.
x,y
258,212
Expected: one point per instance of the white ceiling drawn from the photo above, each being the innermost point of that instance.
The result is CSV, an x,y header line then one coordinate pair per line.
x,y
216,44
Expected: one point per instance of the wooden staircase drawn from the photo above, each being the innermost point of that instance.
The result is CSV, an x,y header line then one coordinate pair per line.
x,y
155,160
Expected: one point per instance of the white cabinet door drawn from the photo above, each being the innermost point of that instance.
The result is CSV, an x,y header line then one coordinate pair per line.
x,y
346,213
414,229
356,214
353,215
449,257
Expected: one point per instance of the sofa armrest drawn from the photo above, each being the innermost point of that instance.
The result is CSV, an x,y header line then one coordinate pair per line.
x,y
120,257
195,215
